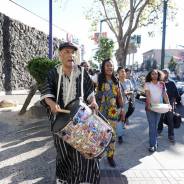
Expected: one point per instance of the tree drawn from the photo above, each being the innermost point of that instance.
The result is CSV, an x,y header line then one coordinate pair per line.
x,y
105,50
93,65
172,64
123,17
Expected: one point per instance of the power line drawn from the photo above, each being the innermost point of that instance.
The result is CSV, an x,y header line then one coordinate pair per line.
x,y
44,19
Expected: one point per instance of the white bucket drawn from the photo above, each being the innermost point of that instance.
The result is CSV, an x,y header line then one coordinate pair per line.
x,y
182,99
160,108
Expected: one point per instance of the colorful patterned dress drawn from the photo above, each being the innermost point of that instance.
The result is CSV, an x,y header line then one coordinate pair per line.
x,y
107,100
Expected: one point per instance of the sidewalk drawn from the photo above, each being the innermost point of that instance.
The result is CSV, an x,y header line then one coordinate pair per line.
x,y
27,154
138,165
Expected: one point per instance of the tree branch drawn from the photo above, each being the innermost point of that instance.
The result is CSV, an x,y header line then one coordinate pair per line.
x,y
108,20
120,30
138,16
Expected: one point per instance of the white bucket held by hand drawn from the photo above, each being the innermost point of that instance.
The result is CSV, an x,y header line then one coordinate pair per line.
x,y
160,108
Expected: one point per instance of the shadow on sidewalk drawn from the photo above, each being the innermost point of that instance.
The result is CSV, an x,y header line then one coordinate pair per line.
x,y
27,154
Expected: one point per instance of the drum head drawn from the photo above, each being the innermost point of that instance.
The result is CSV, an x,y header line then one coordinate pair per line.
x,y
62,119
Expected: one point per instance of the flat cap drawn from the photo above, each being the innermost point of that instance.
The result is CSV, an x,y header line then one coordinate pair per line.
x,y
67,45
166,70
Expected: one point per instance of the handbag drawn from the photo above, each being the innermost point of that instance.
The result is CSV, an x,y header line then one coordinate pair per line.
x,y
177,120
85,131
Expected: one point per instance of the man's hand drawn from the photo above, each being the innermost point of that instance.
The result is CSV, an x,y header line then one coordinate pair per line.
x,y
128,92
94,106
54,107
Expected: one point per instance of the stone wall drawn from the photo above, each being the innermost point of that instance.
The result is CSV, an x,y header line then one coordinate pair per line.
x,y
18,44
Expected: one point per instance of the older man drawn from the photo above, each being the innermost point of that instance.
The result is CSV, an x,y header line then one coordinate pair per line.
x,y
172,94
71,166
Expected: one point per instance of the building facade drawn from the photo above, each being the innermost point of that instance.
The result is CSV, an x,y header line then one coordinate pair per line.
x,y
153,57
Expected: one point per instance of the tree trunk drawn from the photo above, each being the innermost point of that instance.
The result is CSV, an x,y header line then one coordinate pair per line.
x,y
32,92
121,57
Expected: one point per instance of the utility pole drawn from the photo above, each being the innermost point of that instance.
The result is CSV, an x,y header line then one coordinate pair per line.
x,y
50,30
164,33
101,21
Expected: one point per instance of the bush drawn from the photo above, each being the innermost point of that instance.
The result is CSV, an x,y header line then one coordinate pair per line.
x,y
38,68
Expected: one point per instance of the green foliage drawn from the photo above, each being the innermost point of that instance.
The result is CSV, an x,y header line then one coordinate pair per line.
x,y
38,68
172,64
105,50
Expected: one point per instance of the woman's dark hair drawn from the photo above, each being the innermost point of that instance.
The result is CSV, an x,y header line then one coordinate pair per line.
x,y
148,77
101,76
128,70
120,68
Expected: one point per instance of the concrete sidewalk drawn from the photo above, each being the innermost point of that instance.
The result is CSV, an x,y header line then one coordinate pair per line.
x,y
138,165
27,154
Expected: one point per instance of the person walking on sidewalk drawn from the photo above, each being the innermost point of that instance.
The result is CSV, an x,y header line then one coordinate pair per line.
x,y
71,166
127,92
110,103
172,94
155,94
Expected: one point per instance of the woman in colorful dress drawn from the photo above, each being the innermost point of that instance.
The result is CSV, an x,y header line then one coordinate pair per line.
x,y
110,101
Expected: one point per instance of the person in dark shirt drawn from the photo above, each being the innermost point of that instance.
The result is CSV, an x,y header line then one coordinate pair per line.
x,y
173,95
71,166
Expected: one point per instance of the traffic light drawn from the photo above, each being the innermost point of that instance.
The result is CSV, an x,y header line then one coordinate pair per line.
x,y
138,39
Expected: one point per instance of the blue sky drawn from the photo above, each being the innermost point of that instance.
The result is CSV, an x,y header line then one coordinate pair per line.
x,y
69,15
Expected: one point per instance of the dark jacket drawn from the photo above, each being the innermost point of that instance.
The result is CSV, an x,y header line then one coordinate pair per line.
x,y
172,91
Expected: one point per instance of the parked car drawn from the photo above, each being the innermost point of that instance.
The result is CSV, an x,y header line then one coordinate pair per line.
x,y
179,83
180,87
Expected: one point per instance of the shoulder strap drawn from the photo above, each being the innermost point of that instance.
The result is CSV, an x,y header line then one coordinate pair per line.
x,y
82,84
120,91
59,83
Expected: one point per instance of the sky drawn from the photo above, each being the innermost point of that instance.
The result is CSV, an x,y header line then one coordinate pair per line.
x,y
69,16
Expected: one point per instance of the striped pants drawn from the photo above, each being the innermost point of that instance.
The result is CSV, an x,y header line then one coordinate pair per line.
x,y
72,167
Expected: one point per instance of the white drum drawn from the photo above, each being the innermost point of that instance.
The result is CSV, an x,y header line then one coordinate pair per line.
x,y
88,133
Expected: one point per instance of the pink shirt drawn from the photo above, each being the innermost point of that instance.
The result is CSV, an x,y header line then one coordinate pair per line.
x,y
156,92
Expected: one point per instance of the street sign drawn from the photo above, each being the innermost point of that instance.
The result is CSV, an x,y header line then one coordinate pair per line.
x,y
97,36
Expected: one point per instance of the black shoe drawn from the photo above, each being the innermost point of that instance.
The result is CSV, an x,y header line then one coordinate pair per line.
x,y
120,140
152,149
171,139
111,161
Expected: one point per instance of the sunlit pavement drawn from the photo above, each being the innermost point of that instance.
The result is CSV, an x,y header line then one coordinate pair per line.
x,y
27,153
138,165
